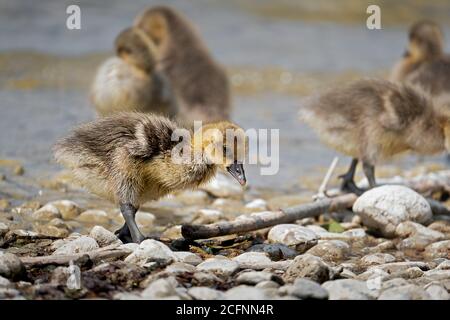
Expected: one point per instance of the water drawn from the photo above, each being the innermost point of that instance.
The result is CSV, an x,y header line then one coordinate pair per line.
x,y
45,71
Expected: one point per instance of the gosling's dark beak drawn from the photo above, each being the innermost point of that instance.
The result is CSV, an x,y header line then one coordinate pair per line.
x,y
237,171
406,54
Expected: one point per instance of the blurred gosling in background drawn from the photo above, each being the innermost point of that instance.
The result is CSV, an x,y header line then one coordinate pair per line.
x,y
200,84
424,62
129,81
127,158
374,119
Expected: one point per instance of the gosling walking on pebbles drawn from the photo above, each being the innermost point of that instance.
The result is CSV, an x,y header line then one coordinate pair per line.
x,y
373,119
131,158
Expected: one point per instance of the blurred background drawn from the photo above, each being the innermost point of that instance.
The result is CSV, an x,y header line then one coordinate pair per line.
x,y
276,53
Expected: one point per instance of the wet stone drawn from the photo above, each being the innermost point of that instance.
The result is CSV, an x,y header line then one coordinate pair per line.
x,y
68,209
188,257
46,213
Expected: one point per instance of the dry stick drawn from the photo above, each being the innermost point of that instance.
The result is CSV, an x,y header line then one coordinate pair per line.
x,y
108,252
256,222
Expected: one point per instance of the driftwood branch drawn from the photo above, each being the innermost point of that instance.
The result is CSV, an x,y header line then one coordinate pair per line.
x,y
268,219
105,253
427,184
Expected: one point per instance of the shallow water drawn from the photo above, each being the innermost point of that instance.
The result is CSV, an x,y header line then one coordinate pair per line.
x,y
45,71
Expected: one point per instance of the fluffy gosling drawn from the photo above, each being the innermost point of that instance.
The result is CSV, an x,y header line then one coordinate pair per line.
x,y
130,158
200,84
375,119
129,81
425,62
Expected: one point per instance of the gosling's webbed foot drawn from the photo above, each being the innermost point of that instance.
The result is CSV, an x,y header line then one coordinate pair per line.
x,y
124,234
348,185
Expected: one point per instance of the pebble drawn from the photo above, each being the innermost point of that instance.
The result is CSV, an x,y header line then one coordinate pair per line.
x,y
441,226
52,231
4,282
304,289
257,204
103,237
377,258
244,292
8,293
250,259
357,233
10,266
437,292
206,216
94,216
417,236
437,275
396,267
223,186
301,238
69,210
384,208
205,293
220,266
46,213
439,249
79,245
406,292
151,251
348,289
3,229
161,289
145,219
207,279
179,268
331,250
307,266
268,285
188,257
276,251
255,277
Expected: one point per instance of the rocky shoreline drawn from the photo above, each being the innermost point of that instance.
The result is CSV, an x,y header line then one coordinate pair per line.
x,y
390,245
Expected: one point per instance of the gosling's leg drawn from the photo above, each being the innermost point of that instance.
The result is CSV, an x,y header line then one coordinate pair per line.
x,y
369,171
124,234
129,213
348,182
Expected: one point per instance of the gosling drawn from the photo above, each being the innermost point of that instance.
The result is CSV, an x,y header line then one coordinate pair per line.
x,y
425,62
130,158
200,84
373,119
130,82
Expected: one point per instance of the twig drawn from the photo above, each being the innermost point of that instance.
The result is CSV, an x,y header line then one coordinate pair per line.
x,y
108,252
322,192
268,219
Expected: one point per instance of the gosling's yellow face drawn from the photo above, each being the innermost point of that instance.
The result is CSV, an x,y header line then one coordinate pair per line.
x,y
225,144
